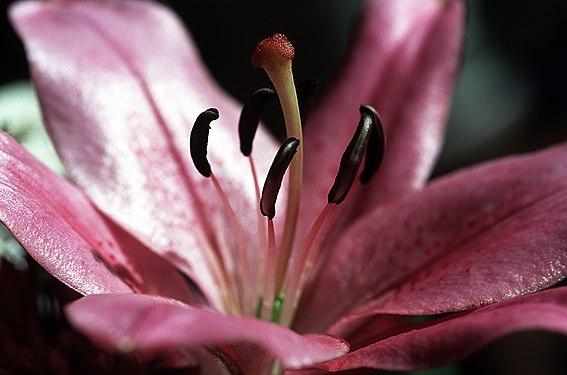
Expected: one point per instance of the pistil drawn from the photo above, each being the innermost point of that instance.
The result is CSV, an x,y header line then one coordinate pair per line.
x,y
280,280
274,55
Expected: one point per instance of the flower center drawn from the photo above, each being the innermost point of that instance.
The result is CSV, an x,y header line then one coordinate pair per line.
x,y
283,280
274,55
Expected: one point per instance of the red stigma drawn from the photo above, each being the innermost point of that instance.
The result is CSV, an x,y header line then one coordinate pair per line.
x,y
276,46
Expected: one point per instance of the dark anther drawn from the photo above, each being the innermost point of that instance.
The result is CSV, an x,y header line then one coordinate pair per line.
x,y
305,95
250,117
200,139
275,176
369,133
376,144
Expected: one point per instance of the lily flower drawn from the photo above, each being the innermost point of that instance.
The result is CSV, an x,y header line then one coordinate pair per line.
x,y
167,244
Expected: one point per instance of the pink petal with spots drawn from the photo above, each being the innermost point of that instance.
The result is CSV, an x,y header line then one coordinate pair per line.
x,y
483,235
58,226
453,338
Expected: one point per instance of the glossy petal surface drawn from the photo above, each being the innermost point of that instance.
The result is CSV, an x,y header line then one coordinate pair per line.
x,y
404,63
120,118
144,323
58,226
456,337
479,236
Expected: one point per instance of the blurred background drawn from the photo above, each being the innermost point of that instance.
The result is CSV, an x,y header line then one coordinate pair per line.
x,y
510,96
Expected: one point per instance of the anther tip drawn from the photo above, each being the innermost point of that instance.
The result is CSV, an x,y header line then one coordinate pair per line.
x,y
366,109
276,47
376,144
210,114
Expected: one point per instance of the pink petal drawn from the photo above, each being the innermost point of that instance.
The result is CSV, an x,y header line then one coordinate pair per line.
x,y
120,85
476,237
150,324
158,276
456,337
58,226
85,250
404,63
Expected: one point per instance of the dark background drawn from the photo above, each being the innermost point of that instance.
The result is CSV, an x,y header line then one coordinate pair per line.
x,y
511,96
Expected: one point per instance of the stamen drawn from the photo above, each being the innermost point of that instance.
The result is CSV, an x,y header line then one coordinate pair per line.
x,y
247,126
306,95
369,138
250,117
198,148
268,208
352,157
274,55
275,177
199,140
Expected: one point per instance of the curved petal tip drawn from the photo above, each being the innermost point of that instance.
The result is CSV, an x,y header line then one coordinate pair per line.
x,y
154,325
